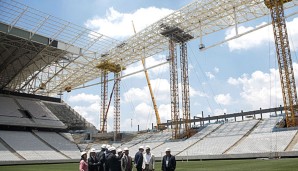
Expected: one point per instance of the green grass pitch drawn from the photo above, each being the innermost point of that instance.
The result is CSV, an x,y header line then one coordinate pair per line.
x,y
211,165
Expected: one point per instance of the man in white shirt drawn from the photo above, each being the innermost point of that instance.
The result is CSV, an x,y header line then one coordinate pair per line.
x,y
148,161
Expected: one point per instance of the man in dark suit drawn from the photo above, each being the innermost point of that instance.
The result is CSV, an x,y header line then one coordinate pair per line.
x,y
168,161
113,160
139,159
93,162
101,156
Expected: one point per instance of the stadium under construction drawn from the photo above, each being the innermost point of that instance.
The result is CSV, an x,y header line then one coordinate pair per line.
x,y
42,56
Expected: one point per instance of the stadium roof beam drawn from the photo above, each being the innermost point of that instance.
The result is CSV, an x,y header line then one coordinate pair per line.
x,y
197,19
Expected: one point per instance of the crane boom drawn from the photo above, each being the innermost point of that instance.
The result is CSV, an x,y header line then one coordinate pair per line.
x,y
283,53
149,85
151,93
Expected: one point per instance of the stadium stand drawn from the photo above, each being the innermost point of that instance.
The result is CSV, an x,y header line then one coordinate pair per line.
x,y
7,155
27,112
221,139
68,116
60,143
31,132
29,146
179,146
265,138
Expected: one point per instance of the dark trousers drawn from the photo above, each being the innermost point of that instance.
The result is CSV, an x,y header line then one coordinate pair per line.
x,y
168,169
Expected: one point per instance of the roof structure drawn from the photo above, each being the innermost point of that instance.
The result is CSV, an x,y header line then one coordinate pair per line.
x,y
41,54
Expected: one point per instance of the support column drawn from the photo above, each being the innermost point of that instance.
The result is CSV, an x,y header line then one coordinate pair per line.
x,y
104,101
174,89
116,105
185,88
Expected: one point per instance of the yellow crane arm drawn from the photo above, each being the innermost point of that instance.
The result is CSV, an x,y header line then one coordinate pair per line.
x,y
149,85
151,93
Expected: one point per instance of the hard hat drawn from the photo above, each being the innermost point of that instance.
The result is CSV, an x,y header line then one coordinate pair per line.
x,y
82,153
92,150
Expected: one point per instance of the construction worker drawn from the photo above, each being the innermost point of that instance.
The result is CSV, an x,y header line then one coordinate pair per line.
x,y
126,161
168,161
93,162
102,158
113,160
148,160
138,162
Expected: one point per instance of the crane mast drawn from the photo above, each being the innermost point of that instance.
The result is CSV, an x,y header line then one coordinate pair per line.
x,y
283,53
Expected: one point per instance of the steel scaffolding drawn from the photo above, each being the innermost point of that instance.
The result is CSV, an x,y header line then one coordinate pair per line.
x,y
116,104
104,101
185,88
283,53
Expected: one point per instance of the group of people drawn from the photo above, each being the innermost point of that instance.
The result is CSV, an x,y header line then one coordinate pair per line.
x,y
110,159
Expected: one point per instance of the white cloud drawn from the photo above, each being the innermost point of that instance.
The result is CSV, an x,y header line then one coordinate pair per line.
x,y
260,37
193,92
224,99
210,75
259,89
215,112
216,70
88,106
90,98
149,62
135,95
160,87
118,25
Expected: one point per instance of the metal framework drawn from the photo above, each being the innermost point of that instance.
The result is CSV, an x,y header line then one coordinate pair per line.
x,y
174,88
116,104
284,61
60,54
185,88
104,101
177,35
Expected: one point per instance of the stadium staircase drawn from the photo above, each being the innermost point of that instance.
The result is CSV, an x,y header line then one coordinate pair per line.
x,y
200,139
49,145
293,142
244,136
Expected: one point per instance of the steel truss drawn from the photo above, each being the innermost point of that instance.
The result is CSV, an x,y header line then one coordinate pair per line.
x,y
81,49
104,101
185,88
174,88
116,104
283,53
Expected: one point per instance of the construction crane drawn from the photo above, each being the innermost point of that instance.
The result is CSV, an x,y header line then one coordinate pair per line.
x,y
149,86
283,53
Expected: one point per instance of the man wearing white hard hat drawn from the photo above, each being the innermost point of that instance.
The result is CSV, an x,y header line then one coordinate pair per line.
x,y
168,161
107,154
101,157
93,162
148,161
113,160
126,161
138,162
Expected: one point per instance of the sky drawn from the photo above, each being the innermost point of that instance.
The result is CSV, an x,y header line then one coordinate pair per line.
x,y
241,74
